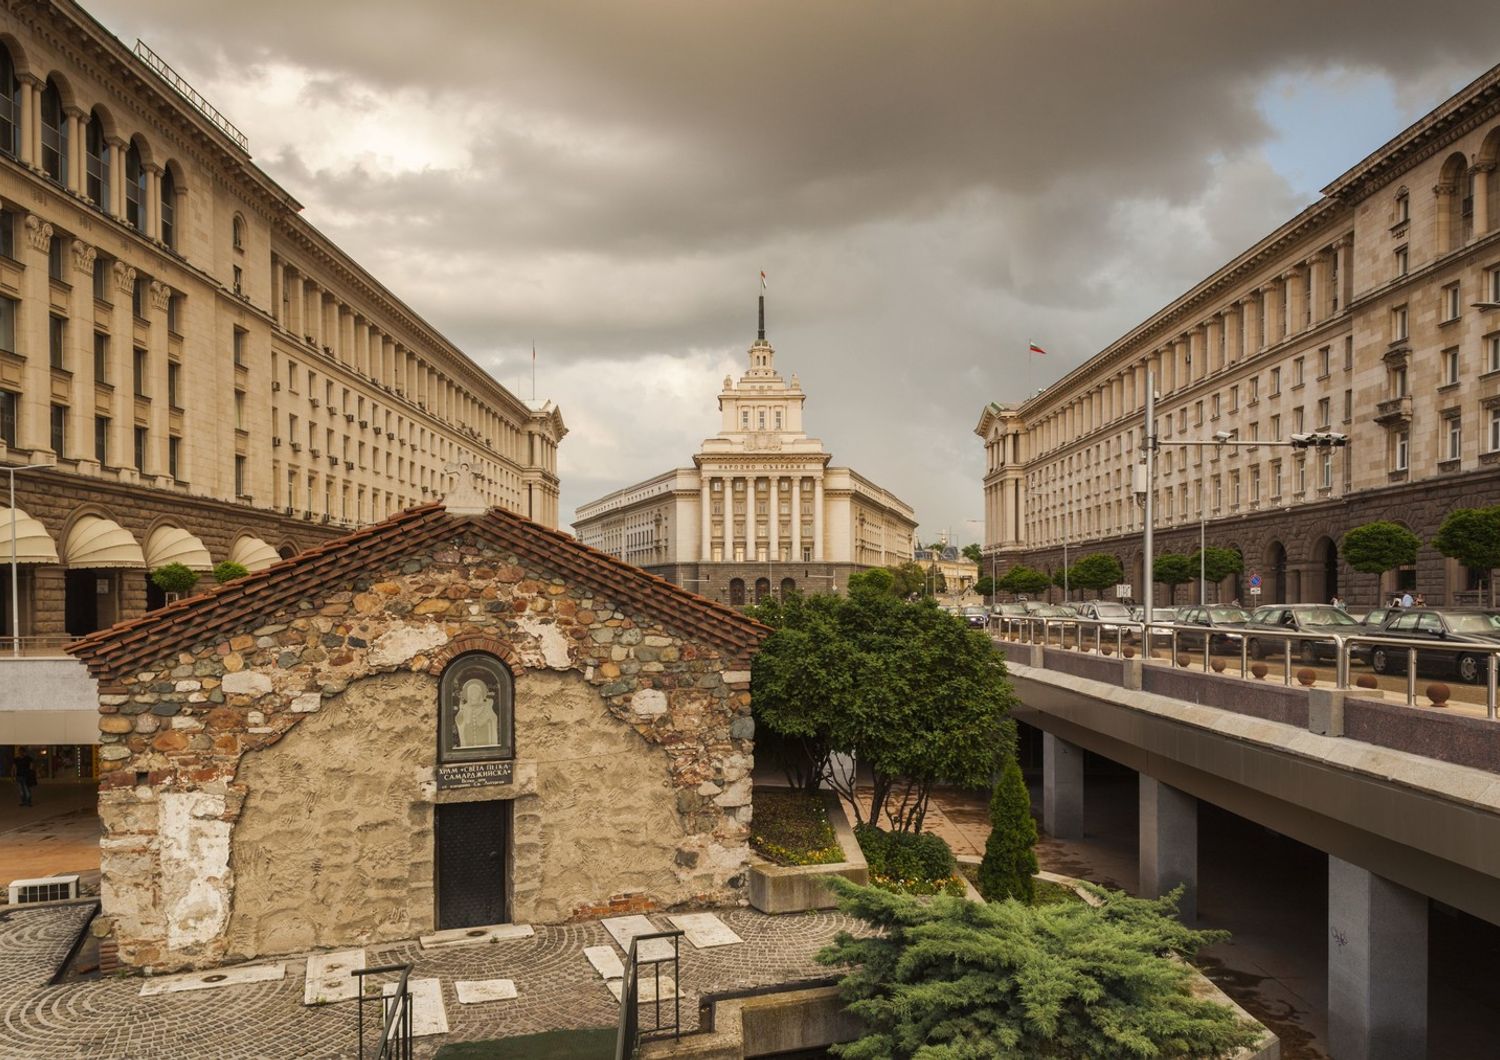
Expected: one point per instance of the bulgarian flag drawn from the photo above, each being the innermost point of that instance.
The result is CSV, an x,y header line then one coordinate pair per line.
x,y
1033,348
762,279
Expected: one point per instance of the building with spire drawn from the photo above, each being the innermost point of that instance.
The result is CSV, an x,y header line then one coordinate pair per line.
x,y
762,509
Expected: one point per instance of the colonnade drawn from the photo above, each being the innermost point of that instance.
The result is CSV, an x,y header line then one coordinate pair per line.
x,y
718,528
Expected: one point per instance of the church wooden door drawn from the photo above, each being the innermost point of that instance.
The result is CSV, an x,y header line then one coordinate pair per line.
x,y
473,846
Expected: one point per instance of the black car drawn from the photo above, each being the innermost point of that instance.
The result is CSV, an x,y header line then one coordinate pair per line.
x,y
1298,618
1226,617
1449,627
976,617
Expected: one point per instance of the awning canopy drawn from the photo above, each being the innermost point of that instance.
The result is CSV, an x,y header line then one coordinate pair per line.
x,y
172,544
253,554
33,543
96,541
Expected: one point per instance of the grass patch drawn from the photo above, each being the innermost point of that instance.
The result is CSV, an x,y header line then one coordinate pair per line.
x,y
1043,892
595,1044
791,828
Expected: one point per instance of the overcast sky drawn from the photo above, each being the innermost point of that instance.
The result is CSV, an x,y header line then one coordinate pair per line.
x,y
927,185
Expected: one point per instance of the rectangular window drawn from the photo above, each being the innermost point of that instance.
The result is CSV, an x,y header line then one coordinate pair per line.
x,y
1234,489
55,259
1254,486
9,403
140,449
239,278
1198,413
60,429
1297,371
174,378
1324,356
138,371
1234,399
239,476
1455,438
1403,258
101,357
1254,388
1214,406
1403,208
1348,405
1324,405
1299,480
1275,381
1276,480
1276,428
174,313
101,279
7,230
239,347
1326,463
1452,302
1450,366
174,457
1399,330
101,440
1398,382
1494,427
1494,285
239,410
138,297
1491,346
1297,420
57,341
1402,451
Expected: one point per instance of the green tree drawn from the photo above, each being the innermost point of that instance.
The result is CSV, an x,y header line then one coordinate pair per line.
x,y
229,570
1097,571
1218,563
947,979
974,554
1172,569
1025,581
174,578
803,677
876,579
1009,858
1377,547
1471,536
909,579
984,585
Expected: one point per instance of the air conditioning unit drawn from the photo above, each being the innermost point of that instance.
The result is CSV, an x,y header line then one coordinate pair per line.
x,y
44,889
275,385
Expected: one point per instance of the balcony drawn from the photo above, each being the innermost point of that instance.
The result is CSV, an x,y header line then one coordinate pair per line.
x,y
1393,411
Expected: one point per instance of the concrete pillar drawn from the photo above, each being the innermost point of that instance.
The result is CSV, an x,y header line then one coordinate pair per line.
x,y
1062,788
1482,173
114,195
28,121
818,519
1377,966
1169,844
796,518
706,522
74,173
774,530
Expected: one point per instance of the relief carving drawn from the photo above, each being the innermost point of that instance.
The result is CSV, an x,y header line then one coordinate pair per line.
x,y
83,256
124,277
160,294
38,232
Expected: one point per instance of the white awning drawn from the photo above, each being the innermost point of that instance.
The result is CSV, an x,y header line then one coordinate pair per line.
x,y
33,543
253,554
172,544
98,542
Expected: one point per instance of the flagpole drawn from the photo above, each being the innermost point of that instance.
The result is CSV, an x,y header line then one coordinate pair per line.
x,y
533,371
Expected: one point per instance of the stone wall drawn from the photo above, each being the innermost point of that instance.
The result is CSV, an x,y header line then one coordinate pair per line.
x,y
273,791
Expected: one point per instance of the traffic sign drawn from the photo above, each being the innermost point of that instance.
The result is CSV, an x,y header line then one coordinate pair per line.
x,y
1254,582
1122,591
1255,590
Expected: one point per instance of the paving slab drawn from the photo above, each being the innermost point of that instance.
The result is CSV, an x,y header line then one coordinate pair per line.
x,y
213,979
705,930
624,928
329,978
646,991
473,936
427,1013
478,991
606,961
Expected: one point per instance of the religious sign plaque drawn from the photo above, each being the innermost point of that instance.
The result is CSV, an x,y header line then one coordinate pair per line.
x,y
473,774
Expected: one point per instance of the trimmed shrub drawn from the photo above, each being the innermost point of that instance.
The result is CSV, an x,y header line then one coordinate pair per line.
x,y
911,862
229,570
1009,857
174,578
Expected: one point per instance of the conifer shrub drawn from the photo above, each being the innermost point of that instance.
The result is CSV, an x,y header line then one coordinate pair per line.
x,y
1009,857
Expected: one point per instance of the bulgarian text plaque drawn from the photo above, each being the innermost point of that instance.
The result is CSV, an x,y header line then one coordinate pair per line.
x,y
473,774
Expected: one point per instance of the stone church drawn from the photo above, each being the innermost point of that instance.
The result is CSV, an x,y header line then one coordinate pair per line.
x,y
456,717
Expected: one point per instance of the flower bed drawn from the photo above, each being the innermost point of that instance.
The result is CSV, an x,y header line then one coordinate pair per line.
x,y
910,862
791,827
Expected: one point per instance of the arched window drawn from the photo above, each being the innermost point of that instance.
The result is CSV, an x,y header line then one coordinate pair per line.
x,y
788,585
737,591
169,208
54,134
239,232
476,710
10,104
762,588
96,163
135,189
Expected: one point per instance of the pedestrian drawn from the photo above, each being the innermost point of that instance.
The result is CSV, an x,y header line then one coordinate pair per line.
x,y
1406,600
1421,600
1235,602
1336,602
25,776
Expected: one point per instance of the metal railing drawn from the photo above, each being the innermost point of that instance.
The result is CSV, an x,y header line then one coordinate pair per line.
x,y
39,644
1341,648
396,1031
631,1034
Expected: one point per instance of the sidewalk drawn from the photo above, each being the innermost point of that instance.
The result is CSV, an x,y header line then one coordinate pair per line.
x,y
59,833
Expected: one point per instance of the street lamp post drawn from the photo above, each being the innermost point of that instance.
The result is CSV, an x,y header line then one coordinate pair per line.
x,y
15,597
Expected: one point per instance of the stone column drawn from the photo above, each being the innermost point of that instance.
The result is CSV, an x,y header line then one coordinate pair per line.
x,y
1296,294
74,175
152,205
1482,173
81,351
1234,334
1322,293
1345,250
706,519
1169,844
34,414
796,518
1062,788
121,367
1270,297
1377,966
1213,333
818,550
29,124
114,195
774,531
38,86
1447,239
277,279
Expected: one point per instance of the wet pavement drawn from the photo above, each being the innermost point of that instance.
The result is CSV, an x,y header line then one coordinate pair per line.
x,y
59,833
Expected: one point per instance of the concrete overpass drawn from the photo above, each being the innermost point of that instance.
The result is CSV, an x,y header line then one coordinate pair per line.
x,y
47,700
1405,802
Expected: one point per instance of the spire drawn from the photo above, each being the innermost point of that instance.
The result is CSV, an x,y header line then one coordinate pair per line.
x,y
760,335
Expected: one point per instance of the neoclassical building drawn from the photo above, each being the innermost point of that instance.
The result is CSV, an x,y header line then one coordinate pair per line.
x,y
1374,313
200,372
760,510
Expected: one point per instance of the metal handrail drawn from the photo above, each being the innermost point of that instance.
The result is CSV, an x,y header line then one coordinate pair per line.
x,y
396,1030
630,1032
1038,629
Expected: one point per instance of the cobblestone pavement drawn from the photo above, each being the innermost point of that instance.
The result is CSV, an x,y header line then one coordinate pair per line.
x,y
556,985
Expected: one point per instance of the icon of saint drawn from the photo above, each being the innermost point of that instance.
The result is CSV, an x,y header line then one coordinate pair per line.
x,y
476,721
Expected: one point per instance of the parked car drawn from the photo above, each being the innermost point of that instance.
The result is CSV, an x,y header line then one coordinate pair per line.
x,y
1161,621
1013,610
1108,612
976,617
1225,617
1298,618
1376,618
1449,627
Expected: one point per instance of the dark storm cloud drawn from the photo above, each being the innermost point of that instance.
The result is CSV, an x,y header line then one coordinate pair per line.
x,y
929,184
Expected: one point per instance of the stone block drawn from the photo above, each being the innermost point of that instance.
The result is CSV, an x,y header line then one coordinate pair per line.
x,y
1325,711
246,683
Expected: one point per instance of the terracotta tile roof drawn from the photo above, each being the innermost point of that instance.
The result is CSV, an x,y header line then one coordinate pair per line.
x,y
219,612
